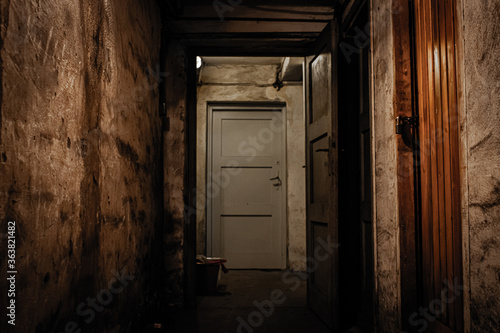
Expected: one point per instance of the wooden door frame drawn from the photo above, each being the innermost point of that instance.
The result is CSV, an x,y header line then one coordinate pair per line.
x,y
404,106
189,181
249,106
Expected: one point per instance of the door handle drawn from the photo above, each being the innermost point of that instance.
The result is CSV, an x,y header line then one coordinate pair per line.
x,y
278,179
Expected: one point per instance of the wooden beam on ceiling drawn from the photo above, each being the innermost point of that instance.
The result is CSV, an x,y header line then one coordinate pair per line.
x,y
244,11
237,27
249,27
239,47
233,43
248,37
251,51
282,3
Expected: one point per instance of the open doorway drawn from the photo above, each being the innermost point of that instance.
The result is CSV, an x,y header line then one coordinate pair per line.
x,y
251,151
251,199
328,192
269,126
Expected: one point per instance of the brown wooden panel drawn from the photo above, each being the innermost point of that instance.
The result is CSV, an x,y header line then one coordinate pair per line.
x,y
320,69
319,166
320,269
439,157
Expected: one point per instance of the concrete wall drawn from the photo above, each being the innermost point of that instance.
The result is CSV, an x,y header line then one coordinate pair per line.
x,y
481,45
387,277
175,174
80,157
245,83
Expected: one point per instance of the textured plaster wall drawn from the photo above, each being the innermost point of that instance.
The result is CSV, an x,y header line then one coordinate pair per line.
x,y
481,39
387,277
80,156
174,174
245,83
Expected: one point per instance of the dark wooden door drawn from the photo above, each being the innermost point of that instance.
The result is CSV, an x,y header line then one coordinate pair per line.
x,y
438,147
321,123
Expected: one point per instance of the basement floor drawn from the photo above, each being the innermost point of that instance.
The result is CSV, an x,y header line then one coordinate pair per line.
x,y
243,305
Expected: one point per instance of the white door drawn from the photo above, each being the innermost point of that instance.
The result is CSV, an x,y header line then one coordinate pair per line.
x,y
246,186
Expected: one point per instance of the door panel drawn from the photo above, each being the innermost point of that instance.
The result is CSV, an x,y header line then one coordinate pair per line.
x,y
320,75
242,234
321,122
245,202
439,160
239,130
319,167
321,278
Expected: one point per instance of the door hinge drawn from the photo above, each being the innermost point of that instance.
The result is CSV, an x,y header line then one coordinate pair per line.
x,y
402,122
166,124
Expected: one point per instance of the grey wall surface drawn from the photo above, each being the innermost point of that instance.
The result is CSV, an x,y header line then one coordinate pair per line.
x,y
80,157
251,83
481,40
387,277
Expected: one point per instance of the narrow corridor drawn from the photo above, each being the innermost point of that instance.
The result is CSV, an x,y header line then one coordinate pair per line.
x,y
243,305
355,139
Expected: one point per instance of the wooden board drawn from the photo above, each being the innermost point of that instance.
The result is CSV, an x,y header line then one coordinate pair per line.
x,y
436,247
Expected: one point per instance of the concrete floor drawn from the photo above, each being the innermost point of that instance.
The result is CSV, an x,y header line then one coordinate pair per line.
x,y
236,307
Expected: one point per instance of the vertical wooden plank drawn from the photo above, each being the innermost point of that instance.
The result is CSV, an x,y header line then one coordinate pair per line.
x,y
436,155
403,105
425,152
443,146
421,38
447,240
455,162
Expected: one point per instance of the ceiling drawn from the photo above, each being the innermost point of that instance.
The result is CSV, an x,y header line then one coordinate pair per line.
x,y
243,60
250,27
